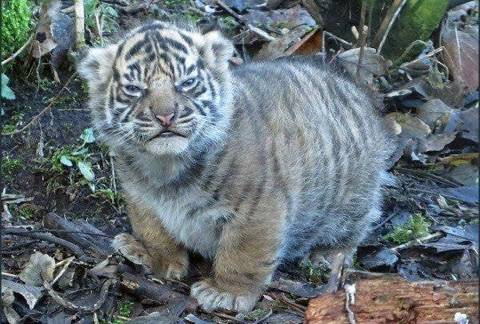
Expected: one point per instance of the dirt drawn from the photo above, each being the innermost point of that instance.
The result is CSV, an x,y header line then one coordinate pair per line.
x,y
423,201
59,128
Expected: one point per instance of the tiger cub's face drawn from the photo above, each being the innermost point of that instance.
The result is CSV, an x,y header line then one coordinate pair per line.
x,y
161,90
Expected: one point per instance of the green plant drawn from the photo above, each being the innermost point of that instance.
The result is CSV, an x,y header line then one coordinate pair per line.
x,y
26,212
124,312
78,156
10,125
417,227
10,167
228,22
16,17
316,274
100,17
5,91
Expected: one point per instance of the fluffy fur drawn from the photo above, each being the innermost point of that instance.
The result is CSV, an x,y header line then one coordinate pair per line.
x,y
271,160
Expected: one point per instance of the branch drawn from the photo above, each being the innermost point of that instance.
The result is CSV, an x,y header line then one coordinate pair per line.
x,y
387,23
79,24
49,238
20,50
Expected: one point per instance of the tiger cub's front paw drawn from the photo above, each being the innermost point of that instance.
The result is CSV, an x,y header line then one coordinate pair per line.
x,y
132,249
168,266
211,297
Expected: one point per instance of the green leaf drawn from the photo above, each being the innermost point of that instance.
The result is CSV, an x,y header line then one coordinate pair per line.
x,y
82,151
87,136
5,91
86,170
66,161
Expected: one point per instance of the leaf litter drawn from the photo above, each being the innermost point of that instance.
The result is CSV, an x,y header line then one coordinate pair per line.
x,y
429,228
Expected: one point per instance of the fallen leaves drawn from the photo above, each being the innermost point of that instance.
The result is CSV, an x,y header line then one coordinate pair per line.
x,y
461,49
40,268
372,64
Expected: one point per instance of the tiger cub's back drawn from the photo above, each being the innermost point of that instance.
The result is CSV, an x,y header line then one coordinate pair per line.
x,y
318,142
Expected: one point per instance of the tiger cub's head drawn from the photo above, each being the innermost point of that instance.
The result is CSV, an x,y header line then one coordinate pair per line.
x,y
162,89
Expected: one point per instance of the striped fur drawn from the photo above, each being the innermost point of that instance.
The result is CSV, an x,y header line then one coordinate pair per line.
x,y
275,158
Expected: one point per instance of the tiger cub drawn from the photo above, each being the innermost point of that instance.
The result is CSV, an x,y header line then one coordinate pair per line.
x,y
249,167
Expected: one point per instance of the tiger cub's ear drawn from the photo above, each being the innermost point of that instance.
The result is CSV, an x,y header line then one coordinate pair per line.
x,y
216,50
96,66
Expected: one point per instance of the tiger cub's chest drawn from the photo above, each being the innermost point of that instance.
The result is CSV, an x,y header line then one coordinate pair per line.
x,y
188,217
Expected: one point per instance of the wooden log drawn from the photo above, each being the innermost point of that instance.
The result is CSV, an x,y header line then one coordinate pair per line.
x,y
391,299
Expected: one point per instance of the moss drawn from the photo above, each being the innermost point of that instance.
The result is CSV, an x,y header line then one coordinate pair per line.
x,y
16,23
417,20
417,227
125,310
316,275
10,167
26,212
10,125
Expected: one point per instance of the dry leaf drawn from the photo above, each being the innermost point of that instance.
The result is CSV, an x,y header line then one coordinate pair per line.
x,y
461,52
372,64
39,269
107,268
7,300
30,293
435,113
280,46
411,126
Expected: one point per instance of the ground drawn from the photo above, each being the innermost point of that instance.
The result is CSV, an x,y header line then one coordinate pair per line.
x,y
52,163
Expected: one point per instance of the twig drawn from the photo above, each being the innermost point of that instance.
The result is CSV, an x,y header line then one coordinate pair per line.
x,y
290,302
387,23
341,40
350,300
79,24
260,33
114,180
6,274
66,263
46,109
88,309
384,221
70,232
432,53
369,23
49,238
336,273
363,37
244,21
417,241
98,22
19,51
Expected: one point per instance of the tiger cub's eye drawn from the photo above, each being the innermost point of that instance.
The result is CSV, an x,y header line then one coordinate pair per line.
x,y
132,88
188,82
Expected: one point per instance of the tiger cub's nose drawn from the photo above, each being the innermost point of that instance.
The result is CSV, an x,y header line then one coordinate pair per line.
x,y
165,120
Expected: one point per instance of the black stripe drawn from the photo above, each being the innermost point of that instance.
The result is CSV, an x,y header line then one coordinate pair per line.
x,y
199,107
150,27
186,38
137,47
186,112
176,45
212,88
190,69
